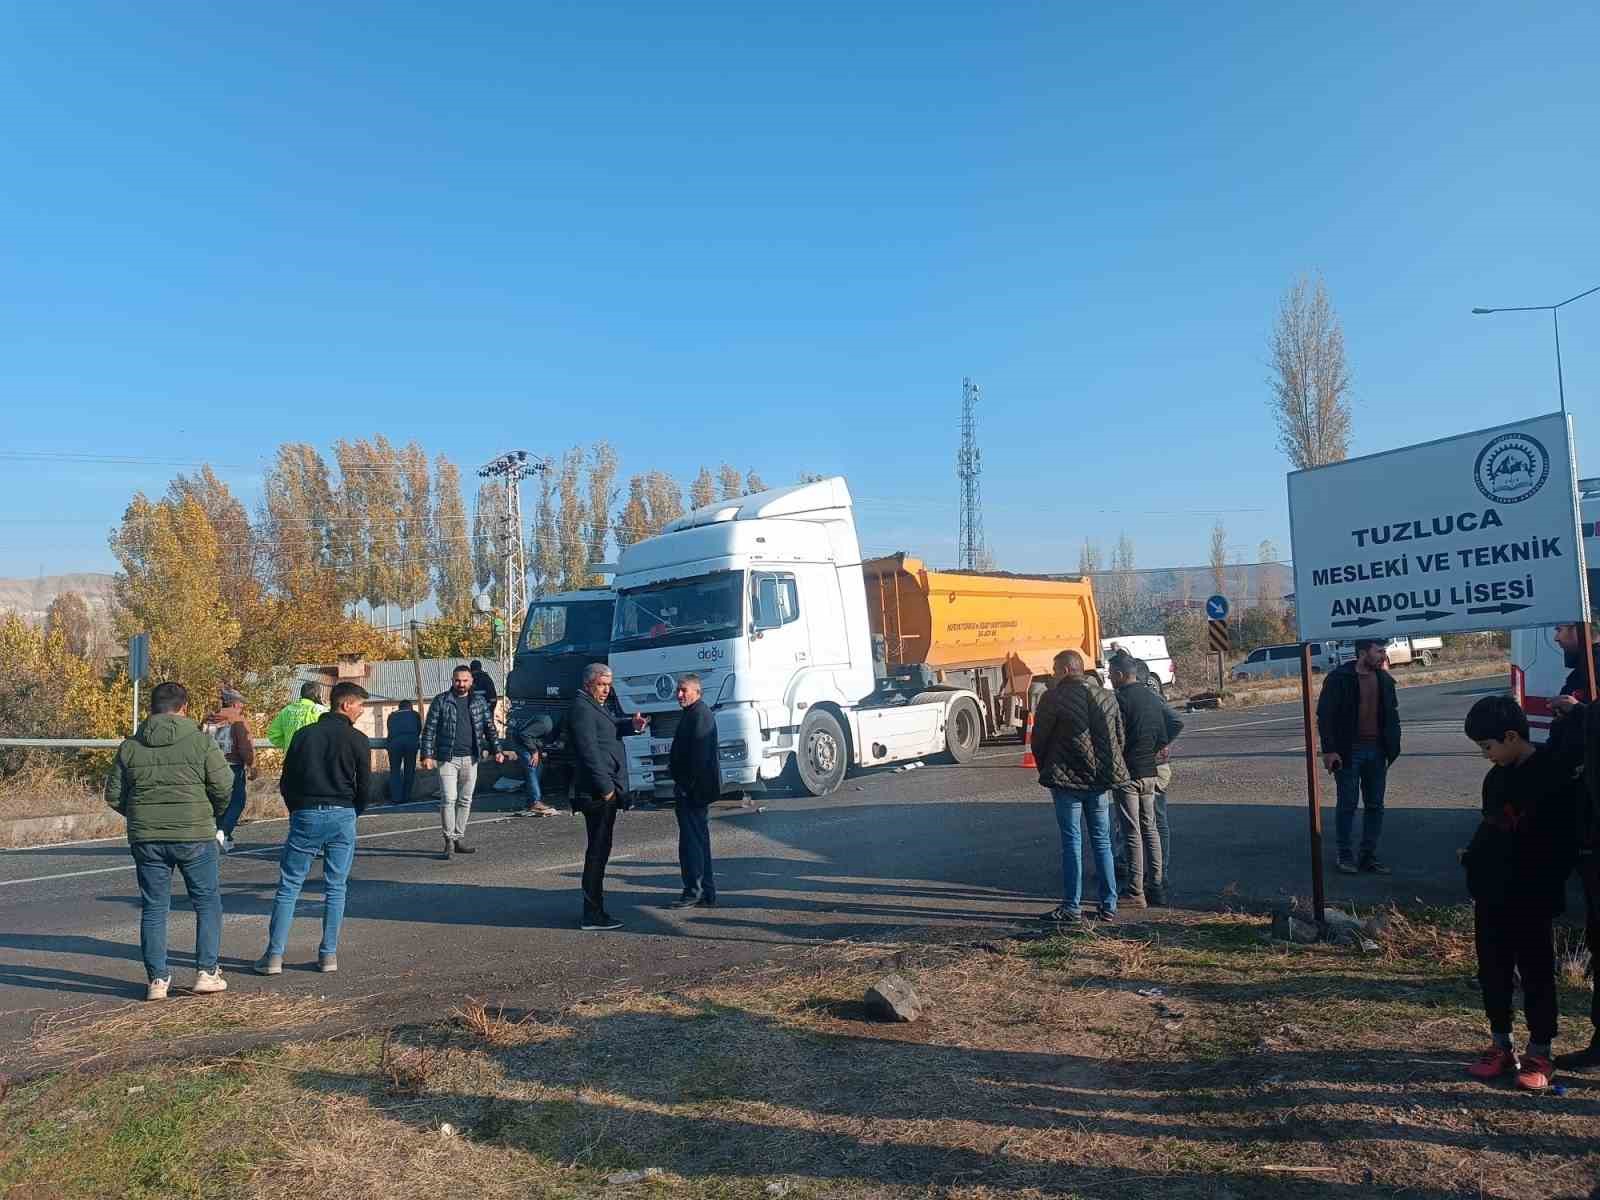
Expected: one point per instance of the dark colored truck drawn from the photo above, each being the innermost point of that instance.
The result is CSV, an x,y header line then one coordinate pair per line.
x,y
561,635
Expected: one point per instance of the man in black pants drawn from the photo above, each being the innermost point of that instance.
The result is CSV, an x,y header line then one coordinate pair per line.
x,y
697,780
599,785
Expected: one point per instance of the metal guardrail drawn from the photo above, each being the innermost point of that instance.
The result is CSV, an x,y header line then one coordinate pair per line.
x,y
113,743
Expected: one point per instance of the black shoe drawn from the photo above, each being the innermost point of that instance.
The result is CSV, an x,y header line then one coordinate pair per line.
x,y
1587,1059
685,902
449,850
463,848
1373,867
1156,897
1345,866
599,921
706,902
1105,914
1062,915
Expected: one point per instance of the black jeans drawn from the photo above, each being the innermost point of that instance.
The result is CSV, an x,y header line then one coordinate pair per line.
x,y
600,819
1510,939
402,773
694,850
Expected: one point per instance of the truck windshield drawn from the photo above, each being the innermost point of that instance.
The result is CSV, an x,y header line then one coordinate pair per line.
x,y
701,609
567,627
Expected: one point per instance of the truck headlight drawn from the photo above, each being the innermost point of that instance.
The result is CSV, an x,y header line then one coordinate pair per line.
x,y
734,751
725,692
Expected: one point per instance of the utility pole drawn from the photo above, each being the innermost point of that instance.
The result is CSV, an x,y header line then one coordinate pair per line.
x,y
969,466
513,467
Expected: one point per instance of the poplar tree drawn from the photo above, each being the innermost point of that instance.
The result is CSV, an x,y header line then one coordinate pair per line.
x,y
703,490
452,553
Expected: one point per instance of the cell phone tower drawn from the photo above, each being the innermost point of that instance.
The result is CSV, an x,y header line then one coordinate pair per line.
x,y
513,466
969,467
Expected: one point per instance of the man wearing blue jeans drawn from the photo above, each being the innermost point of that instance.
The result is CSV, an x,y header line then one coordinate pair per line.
x,y
326,775
1358,723
1077,743
171,782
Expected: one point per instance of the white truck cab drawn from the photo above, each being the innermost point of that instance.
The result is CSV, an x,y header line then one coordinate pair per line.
x,y
762,597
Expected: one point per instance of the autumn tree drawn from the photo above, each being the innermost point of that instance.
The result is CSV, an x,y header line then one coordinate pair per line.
x,y
753,483
489,535
1310,380
602,490
571,517
452,553
703,490
384,494
298,507
731,482
168,587
347,528
68,617
239,553
633,522
414,541
546,537
664,499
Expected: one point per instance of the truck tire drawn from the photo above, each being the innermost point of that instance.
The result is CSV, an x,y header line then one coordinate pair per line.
x,y
1424,659
963,730
821,754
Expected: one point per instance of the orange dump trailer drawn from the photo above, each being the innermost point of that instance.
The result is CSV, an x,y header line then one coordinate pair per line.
x,y
990,631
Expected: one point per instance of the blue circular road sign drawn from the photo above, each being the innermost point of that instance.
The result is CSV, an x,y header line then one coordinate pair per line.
x,y
1217,608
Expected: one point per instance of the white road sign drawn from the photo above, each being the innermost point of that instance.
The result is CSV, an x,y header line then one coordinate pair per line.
x,y
1472,532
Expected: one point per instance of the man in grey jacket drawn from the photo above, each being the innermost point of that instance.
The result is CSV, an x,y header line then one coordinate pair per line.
x,y
1077,743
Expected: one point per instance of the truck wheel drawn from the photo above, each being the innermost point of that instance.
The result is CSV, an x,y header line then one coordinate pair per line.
x,y
1424,660
822,753
963,730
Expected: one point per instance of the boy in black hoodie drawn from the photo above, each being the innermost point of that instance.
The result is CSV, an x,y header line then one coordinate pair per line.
x,y
1517,867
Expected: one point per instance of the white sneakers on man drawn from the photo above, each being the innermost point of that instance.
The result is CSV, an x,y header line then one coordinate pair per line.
x,y
225,842
157,989
207,982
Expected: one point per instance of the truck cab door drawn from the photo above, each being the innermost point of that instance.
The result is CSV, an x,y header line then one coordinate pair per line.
x,y
780,644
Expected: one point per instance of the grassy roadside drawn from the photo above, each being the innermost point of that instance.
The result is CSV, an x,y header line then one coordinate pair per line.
x,y
1254,693
1045,1067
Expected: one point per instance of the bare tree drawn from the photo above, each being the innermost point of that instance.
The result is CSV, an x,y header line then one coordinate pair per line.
x,y
753,483
1218,557
1310,381
1088,557
546,537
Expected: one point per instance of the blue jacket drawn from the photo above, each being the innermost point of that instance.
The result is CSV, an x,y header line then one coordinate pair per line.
x,y
404,729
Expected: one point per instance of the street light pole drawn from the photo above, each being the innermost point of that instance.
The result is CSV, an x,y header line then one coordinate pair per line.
x,y
1555,324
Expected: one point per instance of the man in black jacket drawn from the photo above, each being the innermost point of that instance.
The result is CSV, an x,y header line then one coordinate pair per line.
x,y
599,785
1577,724
1358,723
697,781
1146,733
458,732
326,775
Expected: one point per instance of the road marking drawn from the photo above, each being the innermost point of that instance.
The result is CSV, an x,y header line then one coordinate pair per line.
x,y
360,837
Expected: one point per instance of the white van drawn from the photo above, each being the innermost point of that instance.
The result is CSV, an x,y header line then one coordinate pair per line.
x,y
1151,648
1537,665
1271,661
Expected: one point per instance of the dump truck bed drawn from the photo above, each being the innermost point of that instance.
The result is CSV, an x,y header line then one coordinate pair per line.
x,y
952,620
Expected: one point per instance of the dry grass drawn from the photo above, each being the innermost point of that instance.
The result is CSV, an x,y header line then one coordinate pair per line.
x,y
45,789
1184,1058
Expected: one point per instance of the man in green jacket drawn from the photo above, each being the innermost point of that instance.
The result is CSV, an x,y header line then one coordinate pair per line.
x,y
171,782
292,718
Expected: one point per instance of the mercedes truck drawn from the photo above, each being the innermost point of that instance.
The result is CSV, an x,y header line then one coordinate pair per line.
x,y
764,598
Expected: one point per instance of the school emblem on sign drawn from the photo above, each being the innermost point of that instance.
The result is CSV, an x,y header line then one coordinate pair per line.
x,y
1511,468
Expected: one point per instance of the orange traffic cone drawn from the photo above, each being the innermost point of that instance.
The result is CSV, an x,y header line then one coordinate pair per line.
x,y
1027,743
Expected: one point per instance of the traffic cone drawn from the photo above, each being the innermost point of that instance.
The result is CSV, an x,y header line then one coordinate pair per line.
x,y
1027,743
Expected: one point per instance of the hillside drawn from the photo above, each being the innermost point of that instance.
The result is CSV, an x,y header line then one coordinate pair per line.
x,y
31,597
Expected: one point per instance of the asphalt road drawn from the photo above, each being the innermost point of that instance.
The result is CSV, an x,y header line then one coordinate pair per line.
x,y
972,846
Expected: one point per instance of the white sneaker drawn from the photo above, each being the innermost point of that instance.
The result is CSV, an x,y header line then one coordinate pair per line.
x,y
222,839
206,982
156,989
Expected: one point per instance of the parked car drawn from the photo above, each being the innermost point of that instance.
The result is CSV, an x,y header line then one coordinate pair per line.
x,y
1268,662
1400,651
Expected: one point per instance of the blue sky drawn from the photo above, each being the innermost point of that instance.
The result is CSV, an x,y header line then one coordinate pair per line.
x,y
780,235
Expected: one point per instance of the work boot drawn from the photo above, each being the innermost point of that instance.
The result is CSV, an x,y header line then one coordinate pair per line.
x,y
1587,1059
269,964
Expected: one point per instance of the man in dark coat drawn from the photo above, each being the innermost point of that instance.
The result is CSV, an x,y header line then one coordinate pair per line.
x,y
1358,723
1577,728
697,782
404,735
458,732
1146,734
600,784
